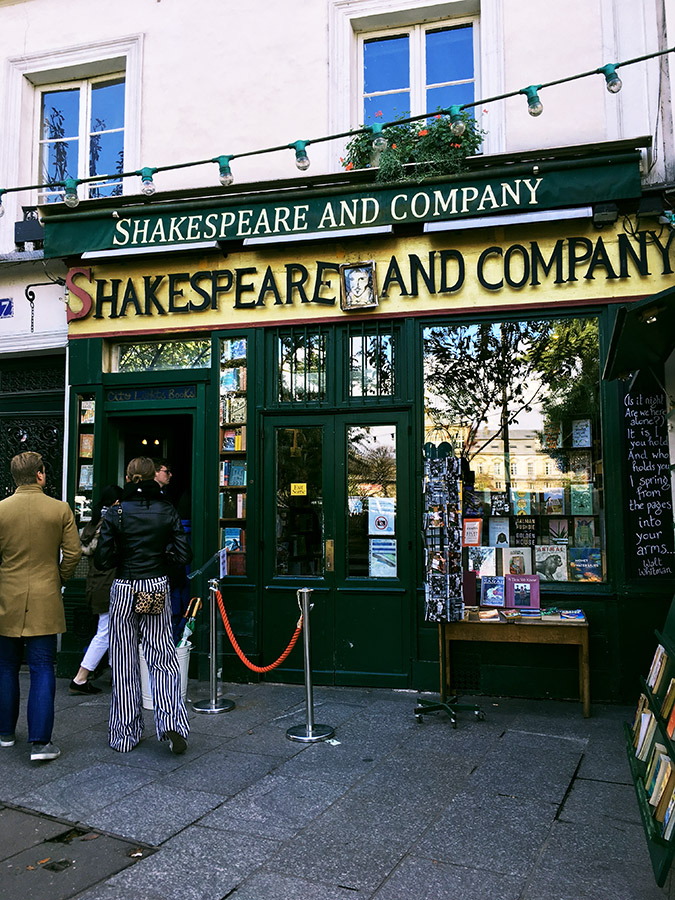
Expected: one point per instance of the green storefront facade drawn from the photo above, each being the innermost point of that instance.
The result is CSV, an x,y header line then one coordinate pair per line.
x,y
294,417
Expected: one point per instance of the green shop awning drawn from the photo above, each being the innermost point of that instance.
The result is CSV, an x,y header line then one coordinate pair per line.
x,y
643,336
548,184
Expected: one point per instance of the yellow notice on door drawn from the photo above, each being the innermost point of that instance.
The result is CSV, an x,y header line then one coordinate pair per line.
x,y
298,489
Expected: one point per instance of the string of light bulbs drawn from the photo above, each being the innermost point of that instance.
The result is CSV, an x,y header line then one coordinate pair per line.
x,y
377,130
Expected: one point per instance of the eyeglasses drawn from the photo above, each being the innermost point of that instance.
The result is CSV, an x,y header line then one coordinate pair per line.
x,y
164,469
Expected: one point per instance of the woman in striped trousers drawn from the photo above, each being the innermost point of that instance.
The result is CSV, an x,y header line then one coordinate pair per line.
x,y
140,536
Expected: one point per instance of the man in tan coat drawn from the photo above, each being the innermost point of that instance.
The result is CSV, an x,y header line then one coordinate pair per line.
x,y
39,550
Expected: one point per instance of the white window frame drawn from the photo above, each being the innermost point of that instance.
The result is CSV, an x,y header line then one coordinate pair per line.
x,y
18,139
416,35
351,19
84,86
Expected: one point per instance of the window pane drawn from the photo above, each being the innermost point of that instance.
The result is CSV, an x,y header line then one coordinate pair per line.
x,y
59,161
160,356
60,114
520,400
443,97
386,107
371,505
299,530
449,54
371,372
386,64
107,105
106,153
302,366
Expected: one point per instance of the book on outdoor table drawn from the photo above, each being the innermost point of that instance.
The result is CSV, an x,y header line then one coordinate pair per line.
x,y
573,614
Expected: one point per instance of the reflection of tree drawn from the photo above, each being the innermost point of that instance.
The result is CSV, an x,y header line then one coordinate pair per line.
x,y
302,366
164,355
371,471
471,372
56,132
370,365
474,370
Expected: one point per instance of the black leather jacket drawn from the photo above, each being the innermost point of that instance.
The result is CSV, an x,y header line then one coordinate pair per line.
x,y
145,539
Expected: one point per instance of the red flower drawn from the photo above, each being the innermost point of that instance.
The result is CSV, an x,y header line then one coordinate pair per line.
x,y
349,166
422,132
393,146
379,113
485,111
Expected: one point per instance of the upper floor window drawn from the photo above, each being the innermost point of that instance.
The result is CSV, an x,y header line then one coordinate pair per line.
x,y
417,69
81,134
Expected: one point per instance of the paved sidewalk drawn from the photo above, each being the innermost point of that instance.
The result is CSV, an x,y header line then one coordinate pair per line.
x,y
534,803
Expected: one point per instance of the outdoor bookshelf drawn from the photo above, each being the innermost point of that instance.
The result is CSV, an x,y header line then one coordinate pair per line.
x,y
232,474
658,819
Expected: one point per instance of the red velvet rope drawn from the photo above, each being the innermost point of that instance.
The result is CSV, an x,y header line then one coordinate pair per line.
x,y
238,650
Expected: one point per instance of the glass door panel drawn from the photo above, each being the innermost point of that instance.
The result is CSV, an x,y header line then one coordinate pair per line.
x,y
299,500
371,501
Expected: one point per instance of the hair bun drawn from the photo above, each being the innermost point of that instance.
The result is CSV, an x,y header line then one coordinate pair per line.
x,y
136,478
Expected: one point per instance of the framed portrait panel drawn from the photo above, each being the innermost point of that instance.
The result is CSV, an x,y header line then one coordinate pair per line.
x,y
358,288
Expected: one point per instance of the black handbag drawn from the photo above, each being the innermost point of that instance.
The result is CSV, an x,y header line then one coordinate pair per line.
x,y
147,603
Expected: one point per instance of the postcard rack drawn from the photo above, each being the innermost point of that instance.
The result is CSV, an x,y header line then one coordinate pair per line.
x,y
444,600
650,744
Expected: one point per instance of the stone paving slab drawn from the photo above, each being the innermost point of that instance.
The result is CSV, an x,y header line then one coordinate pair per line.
x,y
62,864
428,879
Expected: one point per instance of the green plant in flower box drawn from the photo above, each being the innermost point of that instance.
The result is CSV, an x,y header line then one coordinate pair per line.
x,y
416,150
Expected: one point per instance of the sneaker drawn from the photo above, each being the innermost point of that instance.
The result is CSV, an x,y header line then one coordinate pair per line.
x,y
7,740
85,688
177,743
44,751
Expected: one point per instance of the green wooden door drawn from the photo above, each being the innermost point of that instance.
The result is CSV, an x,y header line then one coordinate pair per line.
x,y
336,512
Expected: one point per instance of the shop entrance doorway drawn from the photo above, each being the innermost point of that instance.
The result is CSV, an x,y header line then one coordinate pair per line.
x,y
166,436
336,503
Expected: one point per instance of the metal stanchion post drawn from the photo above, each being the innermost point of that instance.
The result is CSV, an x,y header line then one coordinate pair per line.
x,y
310,732
214,704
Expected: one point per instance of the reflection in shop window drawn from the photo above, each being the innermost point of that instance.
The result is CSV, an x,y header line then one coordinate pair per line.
x,y
157,356
512,390
371,370
371,512
302,366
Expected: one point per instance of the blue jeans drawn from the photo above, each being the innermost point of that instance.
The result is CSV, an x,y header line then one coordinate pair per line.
x,y
40,655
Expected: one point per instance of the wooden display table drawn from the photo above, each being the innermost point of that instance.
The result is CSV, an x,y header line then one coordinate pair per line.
x,y
538,631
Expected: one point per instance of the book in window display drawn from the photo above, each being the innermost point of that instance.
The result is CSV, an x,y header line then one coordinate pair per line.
x,y
553,501
86,481
584,531
482,560
233,348
515,560
585,564
558,531
86,446
525,531
87,412
237,473
581,466
581,433
498,531
499,503
550,562
522,591
492,591
521,504
472,531
581,499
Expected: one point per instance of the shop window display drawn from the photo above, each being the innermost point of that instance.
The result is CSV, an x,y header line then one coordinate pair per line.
x,y
232,456
520,402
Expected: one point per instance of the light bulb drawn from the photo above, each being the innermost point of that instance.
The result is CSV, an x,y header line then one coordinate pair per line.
x,y
225,175
70,198
612,80
147,184
534,104
2,208
457,123
380,143
302,160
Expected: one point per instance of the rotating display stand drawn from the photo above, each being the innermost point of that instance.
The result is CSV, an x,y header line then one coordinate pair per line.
x,y
444,601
